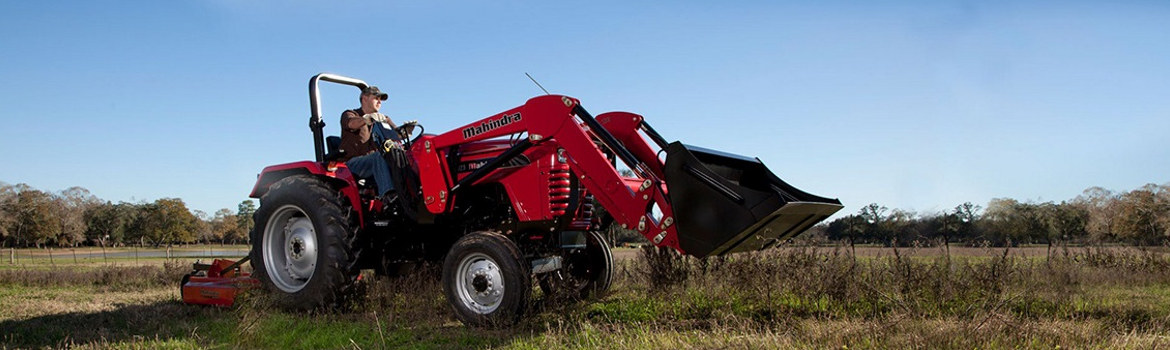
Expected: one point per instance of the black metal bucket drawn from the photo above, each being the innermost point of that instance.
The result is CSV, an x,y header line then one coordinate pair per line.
x,y
725,203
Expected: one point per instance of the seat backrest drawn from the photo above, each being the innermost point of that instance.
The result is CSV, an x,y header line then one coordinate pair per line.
x,y
333,148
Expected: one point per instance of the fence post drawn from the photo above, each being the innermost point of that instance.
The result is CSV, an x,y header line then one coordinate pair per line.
x,y
12,256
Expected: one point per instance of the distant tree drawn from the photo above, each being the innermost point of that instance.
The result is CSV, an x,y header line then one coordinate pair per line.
x,y
226,228
1139,215
1008,220
244,216
108,223
202,229
967,215
71,205
873,215
167,220
36,222
900,227
1065,221
1163,197
850,228
960,224
1102,207
999,219
816,235
7,210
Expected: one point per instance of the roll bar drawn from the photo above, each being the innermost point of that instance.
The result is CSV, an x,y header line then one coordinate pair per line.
x,y
315,122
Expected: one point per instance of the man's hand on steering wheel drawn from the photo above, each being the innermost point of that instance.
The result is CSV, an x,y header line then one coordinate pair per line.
x,y
407,128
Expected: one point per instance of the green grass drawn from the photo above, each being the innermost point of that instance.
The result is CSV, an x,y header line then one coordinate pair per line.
x,y
800,298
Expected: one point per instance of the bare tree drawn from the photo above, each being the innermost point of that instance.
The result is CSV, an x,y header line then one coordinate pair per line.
x,y
1139,215
1102,207
873,215
70,206
7,210
1161,210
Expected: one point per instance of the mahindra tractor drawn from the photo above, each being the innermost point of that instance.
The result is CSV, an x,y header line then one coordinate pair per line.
x,y
504,203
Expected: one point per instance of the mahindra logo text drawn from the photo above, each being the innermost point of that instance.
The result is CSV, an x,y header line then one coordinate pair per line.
x,y
490,125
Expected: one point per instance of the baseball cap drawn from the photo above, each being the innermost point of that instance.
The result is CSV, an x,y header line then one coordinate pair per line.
x,y
373,90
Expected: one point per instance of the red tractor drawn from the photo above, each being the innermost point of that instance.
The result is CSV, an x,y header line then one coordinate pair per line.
x,y
509,199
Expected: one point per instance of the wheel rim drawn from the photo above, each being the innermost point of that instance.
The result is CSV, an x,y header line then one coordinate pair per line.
x,y
479,284
290,248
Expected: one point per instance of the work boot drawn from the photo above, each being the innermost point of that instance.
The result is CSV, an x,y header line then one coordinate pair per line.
x,y
389,202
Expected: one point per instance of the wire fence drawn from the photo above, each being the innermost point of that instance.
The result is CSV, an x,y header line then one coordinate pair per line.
x,y
109,255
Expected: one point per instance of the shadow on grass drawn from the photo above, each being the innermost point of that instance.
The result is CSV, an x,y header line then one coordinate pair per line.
x,y
164,320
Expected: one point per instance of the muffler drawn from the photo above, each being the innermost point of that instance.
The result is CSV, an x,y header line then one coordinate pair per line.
x,y
726,203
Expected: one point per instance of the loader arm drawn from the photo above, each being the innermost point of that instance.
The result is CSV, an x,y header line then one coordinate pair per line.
x,y
585,142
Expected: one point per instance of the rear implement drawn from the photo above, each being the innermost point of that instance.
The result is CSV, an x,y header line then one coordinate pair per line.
x,y
217,283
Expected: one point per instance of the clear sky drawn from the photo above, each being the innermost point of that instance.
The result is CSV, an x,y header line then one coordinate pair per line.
x,y
919,105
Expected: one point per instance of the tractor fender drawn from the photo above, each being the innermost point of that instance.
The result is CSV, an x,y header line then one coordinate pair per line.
x,y
339,177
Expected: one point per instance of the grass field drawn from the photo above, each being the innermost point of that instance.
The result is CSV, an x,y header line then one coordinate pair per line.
x,y
786,298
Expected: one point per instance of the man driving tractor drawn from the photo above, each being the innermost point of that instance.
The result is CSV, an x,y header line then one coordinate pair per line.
x,y
363,131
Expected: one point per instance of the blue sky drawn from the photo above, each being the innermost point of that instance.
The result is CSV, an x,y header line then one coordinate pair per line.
x,y
919,105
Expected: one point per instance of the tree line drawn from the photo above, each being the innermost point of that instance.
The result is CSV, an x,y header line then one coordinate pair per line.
x,y
1098,215
74,217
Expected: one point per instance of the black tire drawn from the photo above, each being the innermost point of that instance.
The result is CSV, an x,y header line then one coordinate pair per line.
x,y
183,283
302,244
585,273
471,274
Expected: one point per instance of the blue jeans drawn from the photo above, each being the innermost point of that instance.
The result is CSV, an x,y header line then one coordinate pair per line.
x,y
372,166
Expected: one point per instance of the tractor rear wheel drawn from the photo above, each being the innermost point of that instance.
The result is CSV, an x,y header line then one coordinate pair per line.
x,y
585,272
486,280
301,244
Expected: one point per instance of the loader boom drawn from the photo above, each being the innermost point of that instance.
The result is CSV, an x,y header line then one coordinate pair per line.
x,y
583,142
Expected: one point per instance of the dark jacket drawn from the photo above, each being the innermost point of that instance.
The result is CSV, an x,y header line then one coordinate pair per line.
x,y
355,141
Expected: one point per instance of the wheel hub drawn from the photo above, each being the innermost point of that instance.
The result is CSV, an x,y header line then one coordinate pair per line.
x,y
298,247
481,286
290,248
481,283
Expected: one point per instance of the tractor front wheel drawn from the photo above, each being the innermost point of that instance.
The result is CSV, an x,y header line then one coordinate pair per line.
x,y
486,281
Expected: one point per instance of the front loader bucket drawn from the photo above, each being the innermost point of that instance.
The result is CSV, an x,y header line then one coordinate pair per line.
x,y
725,203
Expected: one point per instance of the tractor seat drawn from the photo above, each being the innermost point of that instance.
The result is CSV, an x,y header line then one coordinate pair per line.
x,y
333,149
333,153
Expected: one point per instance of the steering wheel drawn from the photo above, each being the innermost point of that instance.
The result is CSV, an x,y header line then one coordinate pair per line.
x,y
407,140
